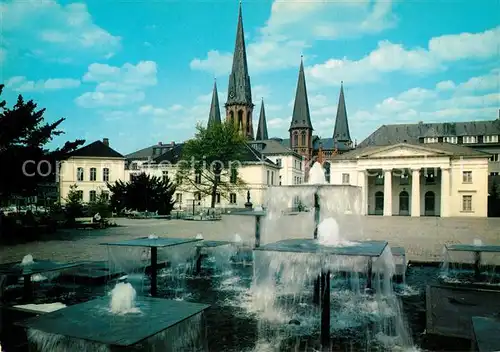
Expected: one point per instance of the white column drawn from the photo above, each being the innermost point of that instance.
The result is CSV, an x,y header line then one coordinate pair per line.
x,y
445,192
388,192
415,192
363,183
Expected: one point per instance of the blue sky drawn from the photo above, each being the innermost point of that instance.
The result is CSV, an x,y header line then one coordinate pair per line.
x,y
141,72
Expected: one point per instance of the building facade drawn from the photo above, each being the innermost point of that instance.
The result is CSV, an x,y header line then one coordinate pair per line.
x,y
405,179
91,168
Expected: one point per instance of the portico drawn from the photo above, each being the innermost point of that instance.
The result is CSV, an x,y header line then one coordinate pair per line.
x,y
413,180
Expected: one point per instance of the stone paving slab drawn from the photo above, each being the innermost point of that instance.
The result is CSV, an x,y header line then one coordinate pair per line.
x,y
423,238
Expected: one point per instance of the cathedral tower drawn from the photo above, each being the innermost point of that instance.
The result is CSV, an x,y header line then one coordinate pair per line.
x,y
239,106
341,130
301,127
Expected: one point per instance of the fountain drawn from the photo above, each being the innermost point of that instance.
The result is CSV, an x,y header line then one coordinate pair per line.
x,y
284,269
123,321
468,291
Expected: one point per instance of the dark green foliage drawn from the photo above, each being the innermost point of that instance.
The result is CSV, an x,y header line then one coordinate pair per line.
x,y
494,200
23,136
100,206
214,150
143,193
74,204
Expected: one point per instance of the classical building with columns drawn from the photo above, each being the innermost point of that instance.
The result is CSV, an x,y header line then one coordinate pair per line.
x,y
437,179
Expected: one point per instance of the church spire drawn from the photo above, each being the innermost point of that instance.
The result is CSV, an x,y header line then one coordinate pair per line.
x,y
341,130
214,116
262,127
239,90
301,117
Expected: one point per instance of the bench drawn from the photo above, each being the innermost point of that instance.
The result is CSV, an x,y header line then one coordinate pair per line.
x,y
87,222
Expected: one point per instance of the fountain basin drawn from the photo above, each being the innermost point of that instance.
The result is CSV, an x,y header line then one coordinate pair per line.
x,y
93,322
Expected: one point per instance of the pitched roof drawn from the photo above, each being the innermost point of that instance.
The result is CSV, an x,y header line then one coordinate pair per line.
x,y
148,152
239,90
262,127
249,155
96,149
272,147
341,129
411,133
326,144
301,117
214,115
452,150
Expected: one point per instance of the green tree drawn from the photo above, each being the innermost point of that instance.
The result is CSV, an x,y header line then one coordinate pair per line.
x,y
101,206
210,161
23,137
74,203
143,193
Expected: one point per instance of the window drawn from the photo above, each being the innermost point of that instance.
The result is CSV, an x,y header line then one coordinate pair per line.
x,y
379,179
178,178
93,174
493,173
494,157
105,195
453,140
430,139
92,196
197,196
268,178
134,166
466,203
280,180
467,176
197,177
345,179
217,198
278,162
234,176
79,174
80,194
470,139
491,139
232,198
303,139
295,139
217,178
164,176
105,174
178,197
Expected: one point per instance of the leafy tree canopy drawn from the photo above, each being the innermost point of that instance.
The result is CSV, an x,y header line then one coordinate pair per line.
x,y
143,193
23,137
214,156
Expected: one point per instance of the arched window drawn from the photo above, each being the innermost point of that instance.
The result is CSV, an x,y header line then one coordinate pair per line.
x,y
430,203
248,122
379,203
240,118
295,140
404,203
303,139
231,116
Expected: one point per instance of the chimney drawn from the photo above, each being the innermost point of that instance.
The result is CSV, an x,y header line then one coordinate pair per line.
x,y
173,144
105,141
160,143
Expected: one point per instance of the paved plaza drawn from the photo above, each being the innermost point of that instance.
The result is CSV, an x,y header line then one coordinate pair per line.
x,y
423,238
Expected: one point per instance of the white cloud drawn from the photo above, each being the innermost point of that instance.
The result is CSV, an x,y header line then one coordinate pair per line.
x,y
118,86
22,84
304,21
390,57
54,31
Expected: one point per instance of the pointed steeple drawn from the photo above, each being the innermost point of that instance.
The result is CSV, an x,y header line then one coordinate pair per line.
x,y
301,117
341,130
262,127
239,90
214,116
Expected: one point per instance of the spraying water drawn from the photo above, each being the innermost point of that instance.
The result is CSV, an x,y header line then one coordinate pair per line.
x,y
123,297
329,234
317,175
27,260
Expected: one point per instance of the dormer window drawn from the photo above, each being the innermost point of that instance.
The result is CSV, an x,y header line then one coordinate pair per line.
x,y
430,139
491,139
451,139
470,139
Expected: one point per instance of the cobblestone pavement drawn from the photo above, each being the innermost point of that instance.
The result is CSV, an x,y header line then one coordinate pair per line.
x,y
423,238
